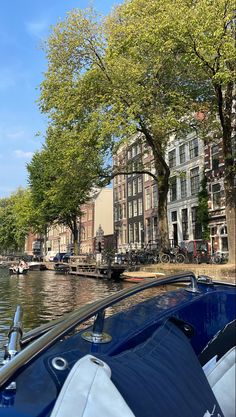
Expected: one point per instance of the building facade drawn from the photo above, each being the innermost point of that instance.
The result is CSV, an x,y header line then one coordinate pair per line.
x,y
214,170
96,218
96,222
136,195
186,161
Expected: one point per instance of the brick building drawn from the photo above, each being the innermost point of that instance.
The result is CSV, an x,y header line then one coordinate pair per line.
x,y
214,170
136,195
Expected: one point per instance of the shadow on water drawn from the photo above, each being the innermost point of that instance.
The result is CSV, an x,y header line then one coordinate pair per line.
x,y
45,296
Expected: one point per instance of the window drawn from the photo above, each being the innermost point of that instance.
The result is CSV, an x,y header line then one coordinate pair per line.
x,y
216,196
141,232
135,208
140,206
129,154
131,233
89,231
197,228
134,151
174,216
148,229
213,231
147,198
129,189
83,234
90,214
154,196
136,232
185,224
130,209
173,189
182,155
224,239
116,213
183,185
155,225
194,180
124,235
134,187
124,210
193,148
172,158
120,210
215,157
123,191
139,184
146,176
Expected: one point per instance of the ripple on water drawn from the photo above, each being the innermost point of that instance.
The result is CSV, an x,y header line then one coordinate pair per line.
x,y
45,296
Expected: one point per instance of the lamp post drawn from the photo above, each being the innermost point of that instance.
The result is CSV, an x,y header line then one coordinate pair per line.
x,y
59,244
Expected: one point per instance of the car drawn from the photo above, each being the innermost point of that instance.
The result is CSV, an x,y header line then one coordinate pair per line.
x,y
58,257
50,255
67,256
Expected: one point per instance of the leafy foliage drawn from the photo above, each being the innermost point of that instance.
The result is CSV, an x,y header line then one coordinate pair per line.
x,y
143,69
15,214
61,177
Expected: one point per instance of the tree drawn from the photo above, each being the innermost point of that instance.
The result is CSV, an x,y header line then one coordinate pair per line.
x,y
97,78
207,43
202,211
144,70
15,216
61,177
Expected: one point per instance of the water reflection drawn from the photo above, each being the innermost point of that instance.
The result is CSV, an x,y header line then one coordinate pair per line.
x,y
45,296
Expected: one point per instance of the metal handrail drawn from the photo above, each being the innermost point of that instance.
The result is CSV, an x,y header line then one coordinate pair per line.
x,y
13,346
84,313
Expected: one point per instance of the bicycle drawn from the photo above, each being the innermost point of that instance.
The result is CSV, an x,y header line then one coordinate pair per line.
x,y
172,256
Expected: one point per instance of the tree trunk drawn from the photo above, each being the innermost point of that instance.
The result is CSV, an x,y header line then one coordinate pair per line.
x,y
163,229
230,217
45,240
230,191
225,109
75,233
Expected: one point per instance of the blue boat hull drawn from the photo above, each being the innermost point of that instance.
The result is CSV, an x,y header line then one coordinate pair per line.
x,y
140,361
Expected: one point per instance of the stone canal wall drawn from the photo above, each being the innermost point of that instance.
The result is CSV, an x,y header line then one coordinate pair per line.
x,y
221,272
224,272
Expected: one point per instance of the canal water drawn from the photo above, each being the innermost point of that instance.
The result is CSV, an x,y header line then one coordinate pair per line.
x,y
45,295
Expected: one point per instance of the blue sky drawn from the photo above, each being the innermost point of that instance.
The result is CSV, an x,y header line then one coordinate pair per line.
x,y
24,25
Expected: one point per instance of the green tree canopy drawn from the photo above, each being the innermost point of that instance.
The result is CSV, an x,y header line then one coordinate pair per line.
x,y
149,67
15,219
62,176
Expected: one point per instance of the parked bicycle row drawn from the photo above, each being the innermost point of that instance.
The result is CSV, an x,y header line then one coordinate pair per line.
x,y
195,252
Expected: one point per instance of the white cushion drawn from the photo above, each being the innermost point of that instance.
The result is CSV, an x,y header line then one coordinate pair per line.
x,y
222,381
89,392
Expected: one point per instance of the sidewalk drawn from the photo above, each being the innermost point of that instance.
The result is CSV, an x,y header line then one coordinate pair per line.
x,y
222,272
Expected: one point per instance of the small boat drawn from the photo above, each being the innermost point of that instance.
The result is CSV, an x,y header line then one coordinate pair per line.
x,y
18,270
61,268
36,266
169,353
139,276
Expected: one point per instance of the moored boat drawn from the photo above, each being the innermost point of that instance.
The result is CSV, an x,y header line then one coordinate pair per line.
x,y
18,270
36,266
169,354
61,268
139,276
